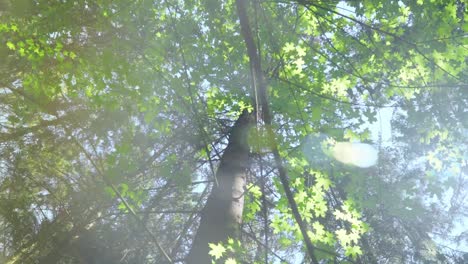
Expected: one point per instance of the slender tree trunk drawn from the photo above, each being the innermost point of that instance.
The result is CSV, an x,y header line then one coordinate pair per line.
x,y
262,103
222,214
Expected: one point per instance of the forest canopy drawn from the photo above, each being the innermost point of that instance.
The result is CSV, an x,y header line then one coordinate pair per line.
x,y
233,131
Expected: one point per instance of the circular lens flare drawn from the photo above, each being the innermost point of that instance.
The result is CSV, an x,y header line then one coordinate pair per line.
x,y
358,154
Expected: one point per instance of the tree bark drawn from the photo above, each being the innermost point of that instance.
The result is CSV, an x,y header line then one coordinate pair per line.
x,y
222,215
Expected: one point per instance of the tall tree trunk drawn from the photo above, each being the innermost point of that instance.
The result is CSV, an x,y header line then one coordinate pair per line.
x,y
260,89
222,214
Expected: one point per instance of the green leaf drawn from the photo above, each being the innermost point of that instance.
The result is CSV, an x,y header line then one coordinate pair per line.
x,y
289,47
14,28
123,188
230,261
285,242
343,237
72,55
10,45
216,250
353,251
109,191
254,190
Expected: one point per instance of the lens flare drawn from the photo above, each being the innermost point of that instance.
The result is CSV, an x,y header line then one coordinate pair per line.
x,y
358,154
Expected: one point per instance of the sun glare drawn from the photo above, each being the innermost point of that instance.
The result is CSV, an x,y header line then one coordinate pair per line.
x,y
357,154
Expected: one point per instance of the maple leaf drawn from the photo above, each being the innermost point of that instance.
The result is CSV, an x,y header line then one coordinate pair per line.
x,y
217,250
353,251
230,261
342,236
289,47
300,51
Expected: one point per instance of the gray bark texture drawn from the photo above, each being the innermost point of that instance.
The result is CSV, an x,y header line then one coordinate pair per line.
x,y
222,214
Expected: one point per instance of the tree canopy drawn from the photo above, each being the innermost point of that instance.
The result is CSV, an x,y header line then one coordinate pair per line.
x,y
233,131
